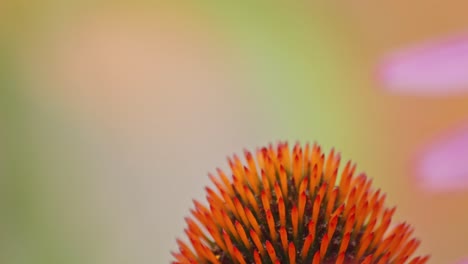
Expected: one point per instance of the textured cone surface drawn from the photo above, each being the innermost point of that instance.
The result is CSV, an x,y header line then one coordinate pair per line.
x,y
294,206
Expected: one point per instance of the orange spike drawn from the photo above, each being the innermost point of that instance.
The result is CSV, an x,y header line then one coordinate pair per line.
x,y
365,242
270,171
217,238
359,183
252,179
297,170
297,148
301,207
344,174
292,253
230,225
384,245
370,228
377,209
329,163
283,237
333,175
277,189
314,179
307,243
405,234
384,259
367,260
216,182
340,258
322,190
281,212
386,220
409,249
324,246
316,208
226,182
210,255
257,242
239,169
363,196
331,203
316,259
257,258
320,166
306,152
243,236
261,154
239,256
253,221
251,199
193,226
209,221
229,245
349,224
332,226
374,198
216,216
315,151
283,181
415,260
294,220
362,215
344,243
338,211
345,182
185,250
403,260
351,201
199,207
400,232
240,211
367,184
311,229
229,203
199,216
180,258
197,247
265,201
239,187
287,155
271,225
423,260
266,185
250,161
271,251
304,184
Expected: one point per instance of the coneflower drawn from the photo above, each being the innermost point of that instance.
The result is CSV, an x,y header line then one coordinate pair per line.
x,y
294,206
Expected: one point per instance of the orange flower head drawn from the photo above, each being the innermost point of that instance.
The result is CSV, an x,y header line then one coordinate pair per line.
x,y
294,206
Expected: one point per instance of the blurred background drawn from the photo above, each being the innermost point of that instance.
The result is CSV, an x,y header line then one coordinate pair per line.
x,y
113,113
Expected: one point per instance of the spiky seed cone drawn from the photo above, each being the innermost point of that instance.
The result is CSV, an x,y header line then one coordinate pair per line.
x,y
294,208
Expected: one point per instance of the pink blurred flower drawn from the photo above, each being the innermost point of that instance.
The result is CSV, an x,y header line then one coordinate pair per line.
x,y
432,68
435,68
443,164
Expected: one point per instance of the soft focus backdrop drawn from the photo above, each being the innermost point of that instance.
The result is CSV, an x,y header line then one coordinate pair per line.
x,y
111,115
